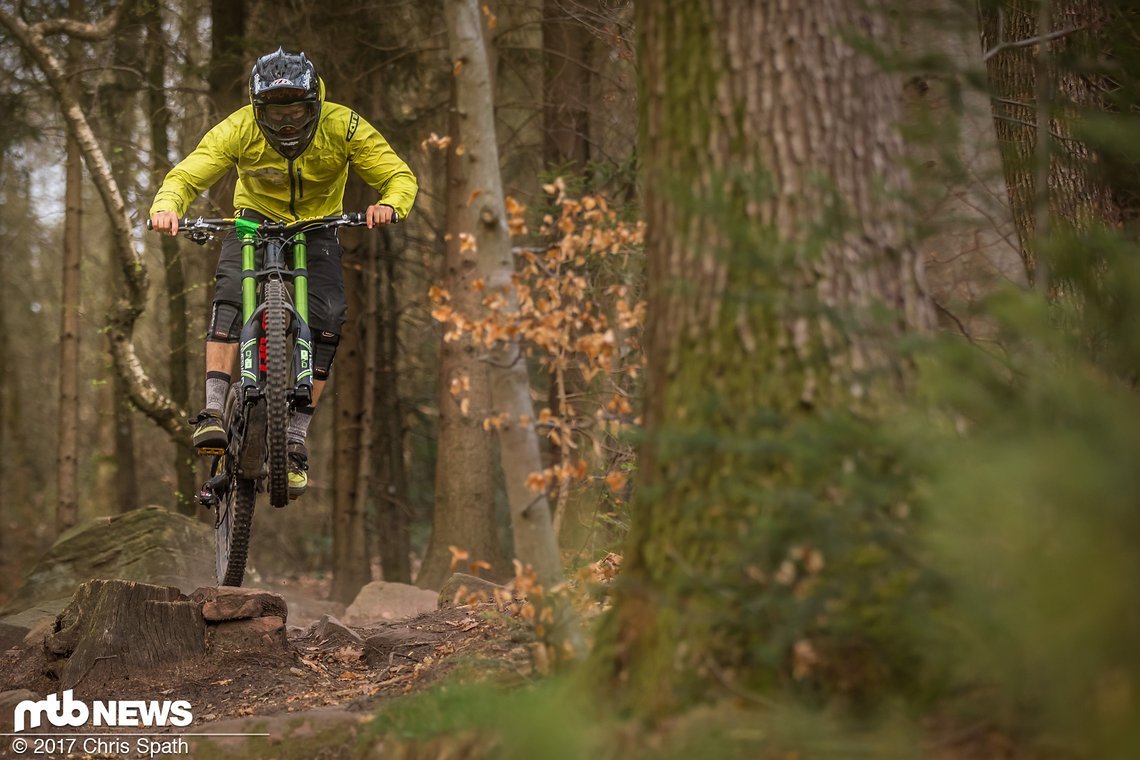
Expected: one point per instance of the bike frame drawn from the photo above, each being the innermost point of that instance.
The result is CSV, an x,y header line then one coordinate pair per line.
x,y
274,265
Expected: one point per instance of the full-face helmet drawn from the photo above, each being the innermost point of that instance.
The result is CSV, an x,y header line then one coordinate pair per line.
x,y
285,93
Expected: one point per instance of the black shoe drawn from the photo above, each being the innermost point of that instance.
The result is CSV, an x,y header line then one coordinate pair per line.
x,y
209,432
298,469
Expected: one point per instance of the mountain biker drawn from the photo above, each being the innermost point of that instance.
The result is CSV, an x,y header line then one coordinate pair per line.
x,y
292,150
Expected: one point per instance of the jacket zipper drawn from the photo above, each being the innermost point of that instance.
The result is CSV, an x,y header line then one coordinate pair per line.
x,y
293,190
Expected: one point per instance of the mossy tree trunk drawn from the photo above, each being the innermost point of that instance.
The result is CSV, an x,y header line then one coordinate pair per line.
x,y
779,276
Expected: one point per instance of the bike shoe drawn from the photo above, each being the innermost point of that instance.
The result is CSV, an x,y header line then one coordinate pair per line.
x,y
298,469
209,432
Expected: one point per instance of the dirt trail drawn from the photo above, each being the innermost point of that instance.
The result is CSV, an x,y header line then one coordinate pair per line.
x,y
319,688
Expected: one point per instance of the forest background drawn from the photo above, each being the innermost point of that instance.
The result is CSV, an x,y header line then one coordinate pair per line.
x,y
881,443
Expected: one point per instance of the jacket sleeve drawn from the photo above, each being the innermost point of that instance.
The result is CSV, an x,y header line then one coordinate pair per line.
x,y
215,154
377,164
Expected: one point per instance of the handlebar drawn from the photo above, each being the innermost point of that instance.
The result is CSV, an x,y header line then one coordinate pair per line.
x,y
203,229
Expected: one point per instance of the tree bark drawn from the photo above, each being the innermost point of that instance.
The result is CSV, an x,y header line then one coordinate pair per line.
x,y
178,327
394,519
227,78
351,568
67,510
116,96
1047,171
350,564
116,626
567,48
970,249
535,543
464,513
773,172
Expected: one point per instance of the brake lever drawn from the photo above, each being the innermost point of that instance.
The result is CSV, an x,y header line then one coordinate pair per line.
x,y
200,236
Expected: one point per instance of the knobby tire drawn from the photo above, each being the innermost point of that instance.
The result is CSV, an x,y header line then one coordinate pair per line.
x,y
235,509
277,363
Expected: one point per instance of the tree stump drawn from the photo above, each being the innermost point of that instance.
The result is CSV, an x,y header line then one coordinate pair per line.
x,y
114,624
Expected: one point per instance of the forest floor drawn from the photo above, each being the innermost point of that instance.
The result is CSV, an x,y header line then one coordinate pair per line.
x,y
318,695
318,684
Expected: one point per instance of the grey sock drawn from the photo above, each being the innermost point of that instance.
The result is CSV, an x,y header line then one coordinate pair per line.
x,y
217,385
299,424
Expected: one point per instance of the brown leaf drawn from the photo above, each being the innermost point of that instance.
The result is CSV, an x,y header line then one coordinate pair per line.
x,y
458,555
615,480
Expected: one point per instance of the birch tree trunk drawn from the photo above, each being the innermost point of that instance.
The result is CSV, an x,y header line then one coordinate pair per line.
x,y
773,174
125,312
534,539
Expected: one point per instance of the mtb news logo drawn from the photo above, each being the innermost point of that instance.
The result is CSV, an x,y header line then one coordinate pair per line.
x,y
73,712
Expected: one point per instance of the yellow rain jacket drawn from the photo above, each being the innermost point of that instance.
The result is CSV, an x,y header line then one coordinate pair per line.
x,y
308,186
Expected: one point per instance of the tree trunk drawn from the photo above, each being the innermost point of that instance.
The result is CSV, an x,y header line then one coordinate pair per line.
x,y
116,98
1027,85
367,331
178,328
227,77
535,543
971,249
464,513
67,510
350,563
394,517
125,312
115,626
772,170
567,46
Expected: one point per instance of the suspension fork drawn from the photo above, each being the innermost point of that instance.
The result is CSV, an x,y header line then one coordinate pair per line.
x,y
248,360
303,343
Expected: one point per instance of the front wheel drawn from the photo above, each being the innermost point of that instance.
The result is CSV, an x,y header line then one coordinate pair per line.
x,y
235,509
277,362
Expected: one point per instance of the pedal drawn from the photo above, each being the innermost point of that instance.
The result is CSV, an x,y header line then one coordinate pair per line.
x,y
207,498
206,451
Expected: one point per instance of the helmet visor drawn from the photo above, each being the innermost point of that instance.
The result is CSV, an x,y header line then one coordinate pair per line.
x,y
280,117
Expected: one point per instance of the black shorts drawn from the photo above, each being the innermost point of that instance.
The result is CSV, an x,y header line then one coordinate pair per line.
x,y
328,307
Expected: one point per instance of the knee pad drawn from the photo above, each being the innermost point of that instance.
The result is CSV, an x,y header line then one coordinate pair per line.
x,y
324,349
225,323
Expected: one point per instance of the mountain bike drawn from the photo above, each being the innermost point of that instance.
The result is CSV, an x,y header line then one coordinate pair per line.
x,y
275,362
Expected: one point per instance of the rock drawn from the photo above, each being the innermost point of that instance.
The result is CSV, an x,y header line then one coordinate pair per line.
x,y
35,615
12,635
42,630
305,610
8,702
328,632
397,643
381,601
461,587
255,633
221,603
151,545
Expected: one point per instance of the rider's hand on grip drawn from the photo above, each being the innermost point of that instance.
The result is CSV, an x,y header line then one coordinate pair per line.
x,y
164,221
380,213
